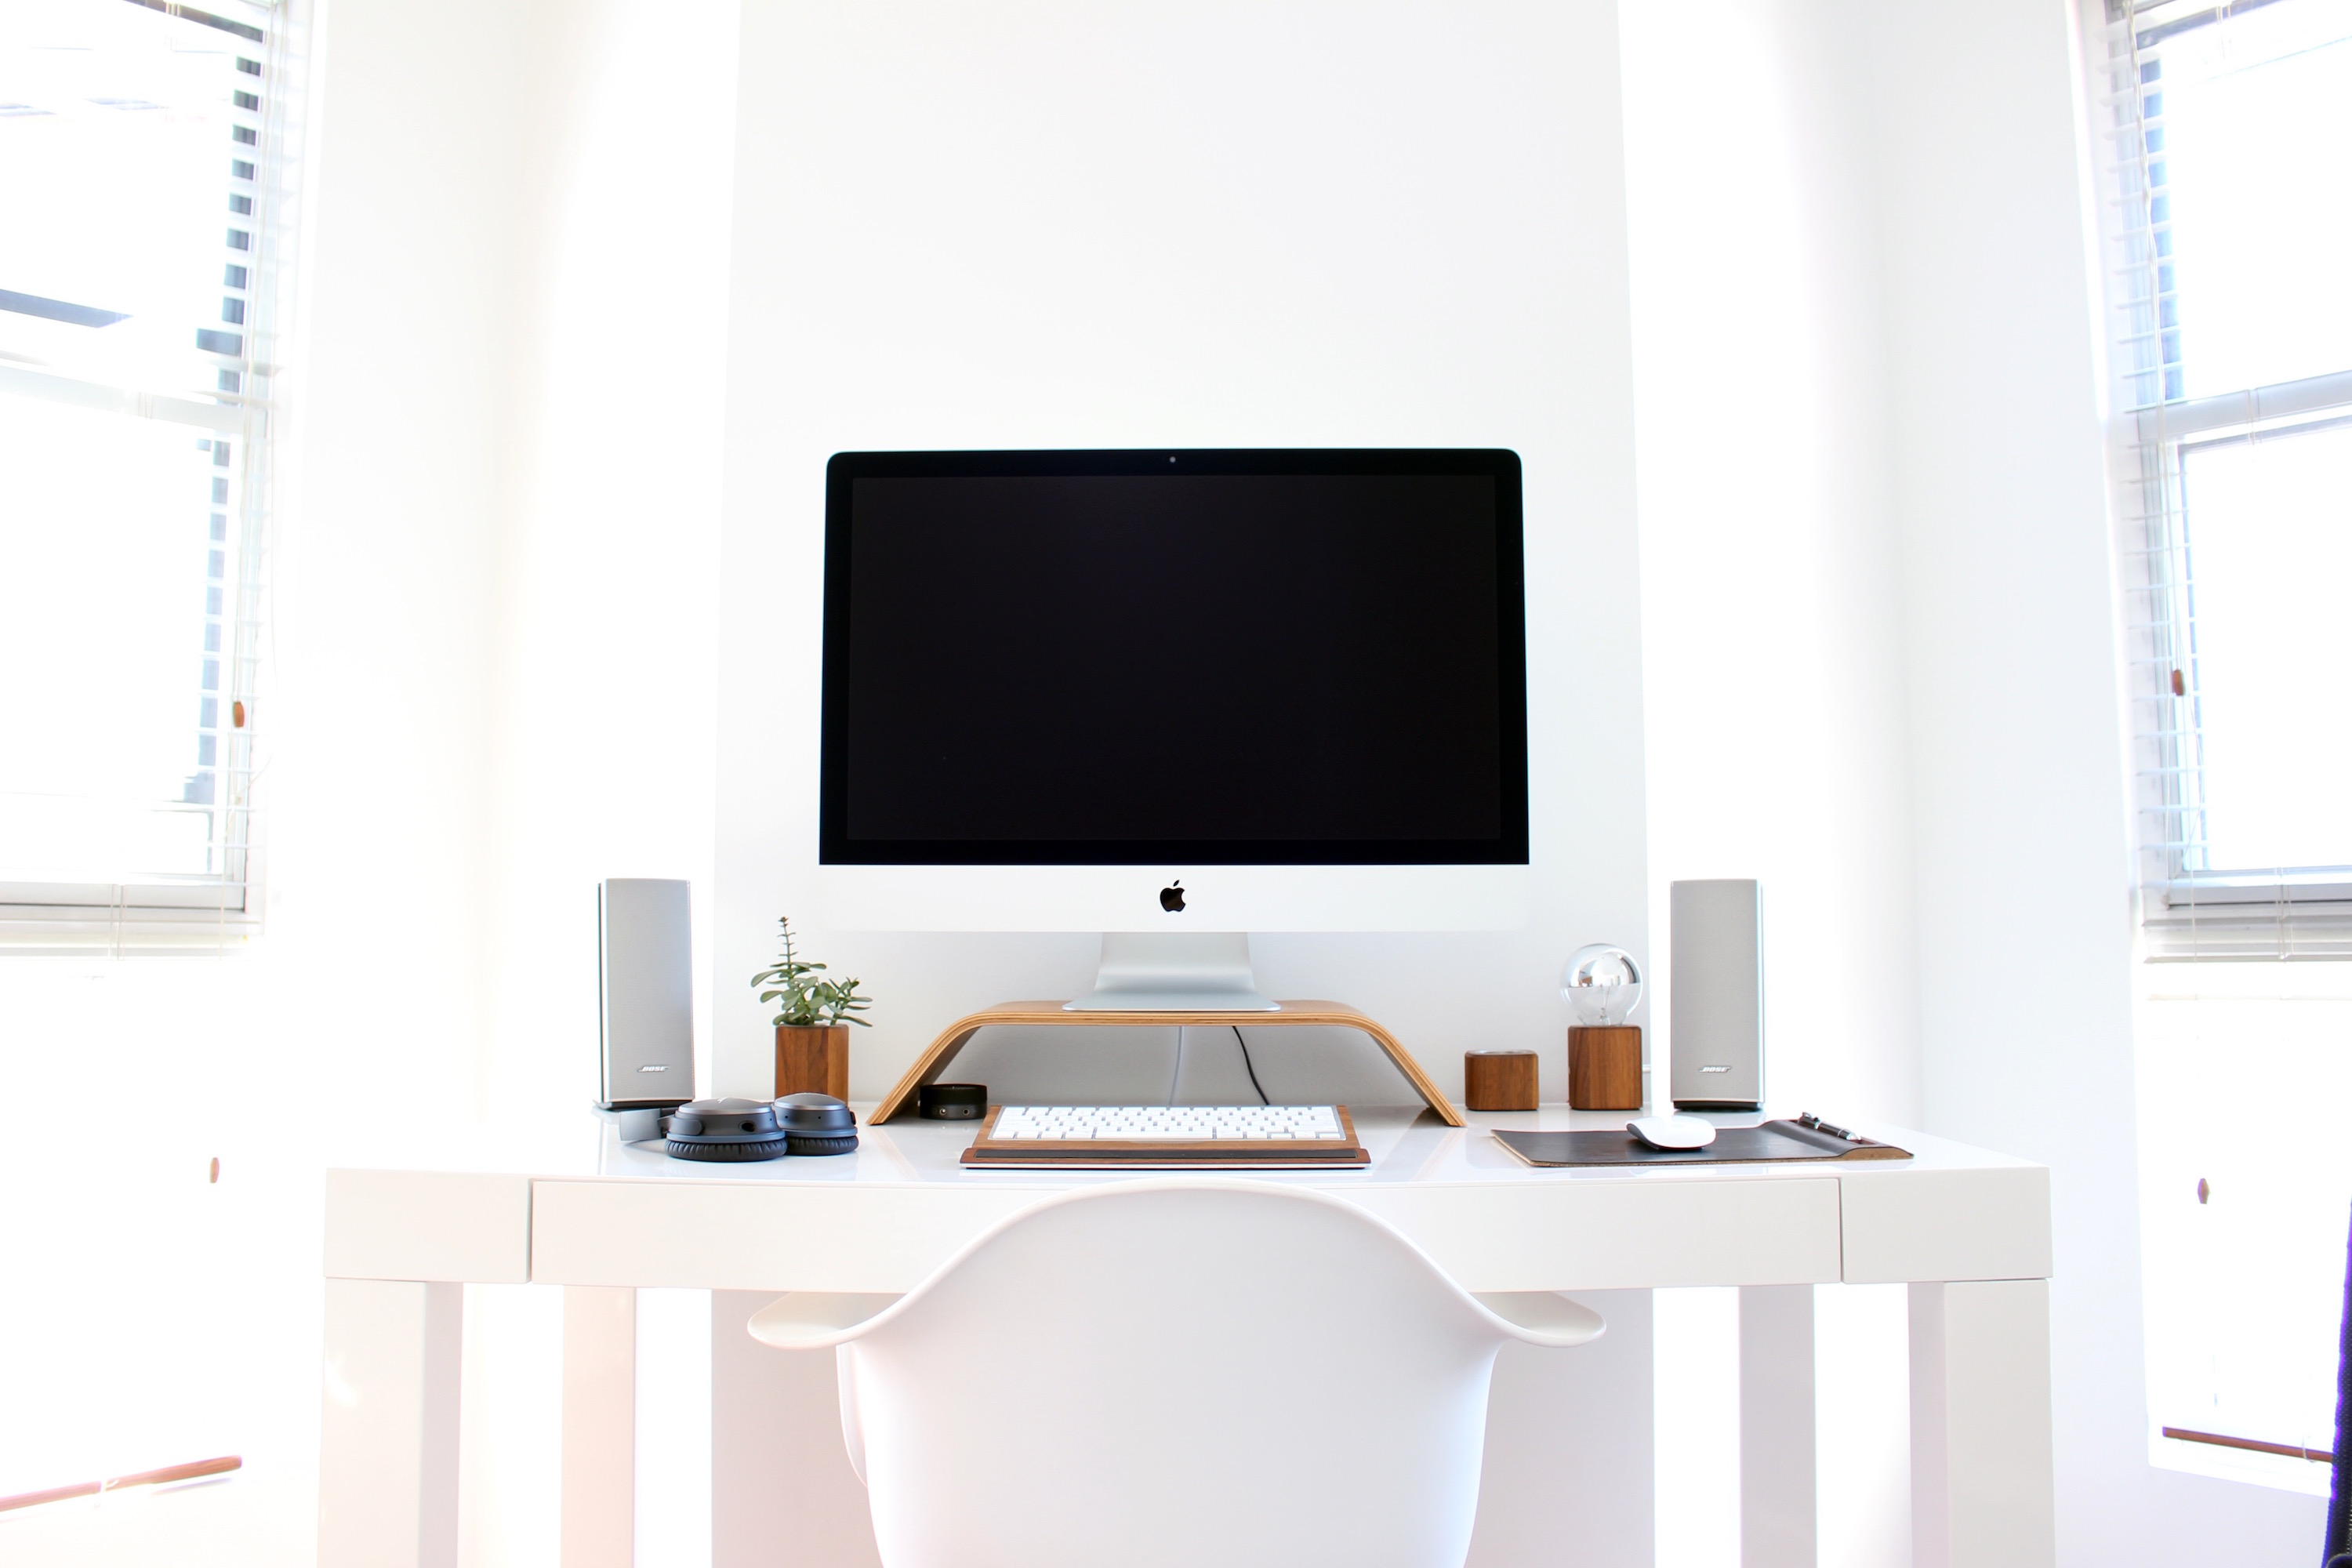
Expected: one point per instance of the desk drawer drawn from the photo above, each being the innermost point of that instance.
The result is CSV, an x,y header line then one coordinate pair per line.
x,y
755,1237
1613,1235
1989,1223
1561,1235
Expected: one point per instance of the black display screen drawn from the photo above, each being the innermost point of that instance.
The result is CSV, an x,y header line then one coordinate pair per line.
x,y
1196,657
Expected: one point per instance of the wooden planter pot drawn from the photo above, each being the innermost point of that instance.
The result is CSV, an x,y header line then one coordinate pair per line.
x,y
1605,1067
813,1060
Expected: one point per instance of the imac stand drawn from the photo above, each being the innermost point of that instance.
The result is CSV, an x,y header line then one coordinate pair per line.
x,y
1161,972
936,1057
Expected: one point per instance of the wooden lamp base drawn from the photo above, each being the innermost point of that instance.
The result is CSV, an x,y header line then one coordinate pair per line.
x,y
1605,1067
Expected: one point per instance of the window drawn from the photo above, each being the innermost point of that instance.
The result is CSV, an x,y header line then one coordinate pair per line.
x,y
2228,222
2235,185
142,285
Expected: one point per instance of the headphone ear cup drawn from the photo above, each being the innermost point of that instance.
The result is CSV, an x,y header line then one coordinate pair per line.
x,y
821,1143
695,1149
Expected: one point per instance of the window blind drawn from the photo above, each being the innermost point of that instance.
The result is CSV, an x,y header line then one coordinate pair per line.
x,y
2231,369
148,144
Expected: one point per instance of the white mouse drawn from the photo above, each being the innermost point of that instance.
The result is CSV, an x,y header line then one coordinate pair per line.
x,y
1673,1132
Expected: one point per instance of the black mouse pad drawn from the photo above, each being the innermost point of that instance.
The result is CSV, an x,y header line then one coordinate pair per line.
x,y
1732,1145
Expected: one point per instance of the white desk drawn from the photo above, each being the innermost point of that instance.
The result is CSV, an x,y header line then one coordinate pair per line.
x,y
1967,1230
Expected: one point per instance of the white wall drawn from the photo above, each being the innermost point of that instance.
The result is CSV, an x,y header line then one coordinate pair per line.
x,y
1771,611
496,562
1039,223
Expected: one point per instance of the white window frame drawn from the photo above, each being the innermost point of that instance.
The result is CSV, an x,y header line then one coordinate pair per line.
x,y
224,909
2188,909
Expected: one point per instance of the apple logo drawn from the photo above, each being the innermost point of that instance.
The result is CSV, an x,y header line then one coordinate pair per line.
x,y
1172,896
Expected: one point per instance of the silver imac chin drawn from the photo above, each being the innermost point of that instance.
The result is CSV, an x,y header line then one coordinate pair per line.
x,y
1175,938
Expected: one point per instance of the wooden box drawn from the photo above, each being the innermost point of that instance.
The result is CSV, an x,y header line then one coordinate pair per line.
x,y
1605,1067
813,1060
1498,1080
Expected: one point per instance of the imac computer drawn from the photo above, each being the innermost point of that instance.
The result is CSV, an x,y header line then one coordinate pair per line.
x,y
1174,697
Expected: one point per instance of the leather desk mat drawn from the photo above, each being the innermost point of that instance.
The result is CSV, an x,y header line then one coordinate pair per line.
x,y
1733,1145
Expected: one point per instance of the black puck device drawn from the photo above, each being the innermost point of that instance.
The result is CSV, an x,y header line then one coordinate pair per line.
x,y
952,1101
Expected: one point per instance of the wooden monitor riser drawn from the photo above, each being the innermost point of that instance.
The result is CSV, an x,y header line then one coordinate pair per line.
x,y
943,1050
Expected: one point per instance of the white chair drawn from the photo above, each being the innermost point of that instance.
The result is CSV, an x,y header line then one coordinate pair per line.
x,y
1190,1374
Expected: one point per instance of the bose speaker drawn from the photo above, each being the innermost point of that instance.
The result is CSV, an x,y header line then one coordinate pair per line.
x,y
1717,996
645,994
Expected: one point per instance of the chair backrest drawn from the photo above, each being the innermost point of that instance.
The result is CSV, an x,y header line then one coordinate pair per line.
x,y
1179,1374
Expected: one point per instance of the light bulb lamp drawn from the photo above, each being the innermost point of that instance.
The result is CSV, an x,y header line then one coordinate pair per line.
x,y
1602,984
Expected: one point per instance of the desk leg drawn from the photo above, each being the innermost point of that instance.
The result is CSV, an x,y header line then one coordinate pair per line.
x,y
1981,1489
1778,1506
600,1426
388,1429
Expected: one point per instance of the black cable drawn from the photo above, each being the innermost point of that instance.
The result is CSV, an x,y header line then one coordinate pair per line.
x,y
1262,1100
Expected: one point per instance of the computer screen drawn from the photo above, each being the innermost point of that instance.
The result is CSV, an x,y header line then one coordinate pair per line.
x,y
1134,657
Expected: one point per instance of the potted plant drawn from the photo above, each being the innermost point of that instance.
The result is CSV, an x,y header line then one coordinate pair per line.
x,y
813,1019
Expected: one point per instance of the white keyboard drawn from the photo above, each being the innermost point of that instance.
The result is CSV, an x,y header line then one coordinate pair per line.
x,y
1169,1123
